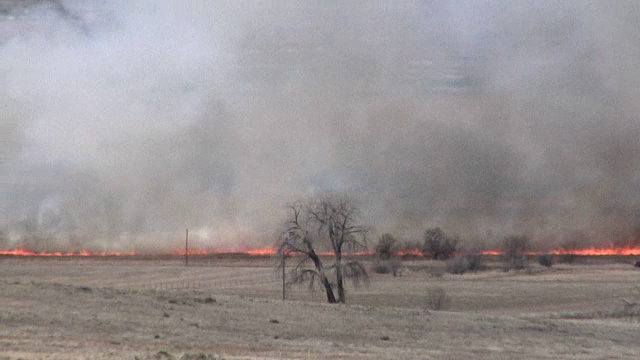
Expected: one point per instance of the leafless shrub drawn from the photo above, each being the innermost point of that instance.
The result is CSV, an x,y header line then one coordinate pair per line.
x,y
160,355
546,260
437,299
514,249
200,356
457,266
382,268
391,266
438,245
462,264
386,246
475,262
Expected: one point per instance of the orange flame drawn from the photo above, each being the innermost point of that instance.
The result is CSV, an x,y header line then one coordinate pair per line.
x,y
261,252
412,252
592,251
191,252
607,251
83,253
492,253
266,251
253,252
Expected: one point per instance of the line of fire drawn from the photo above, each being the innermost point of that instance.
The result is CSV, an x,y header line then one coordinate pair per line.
x,y
267,251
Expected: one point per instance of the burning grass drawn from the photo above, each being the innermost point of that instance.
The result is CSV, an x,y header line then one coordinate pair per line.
x,y
268,251
82,253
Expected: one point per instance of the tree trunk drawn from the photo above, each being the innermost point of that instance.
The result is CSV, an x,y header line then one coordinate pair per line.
x,y
339,277
331,298
329,290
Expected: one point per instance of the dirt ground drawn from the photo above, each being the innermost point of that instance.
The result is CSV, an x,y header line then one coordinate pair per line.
x,y
231,308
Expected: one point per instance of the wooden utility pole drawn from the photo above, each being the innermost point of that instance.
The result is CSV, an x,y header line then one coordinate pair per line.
x,y
284,258
186,248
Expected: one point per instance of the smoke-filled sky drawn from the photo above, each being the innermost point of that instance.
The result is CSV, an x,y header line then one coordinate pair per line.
x,y
125,122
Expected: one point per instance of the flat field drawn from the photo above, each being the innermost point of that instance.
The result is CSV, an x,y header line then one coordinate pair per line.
x,y
231,307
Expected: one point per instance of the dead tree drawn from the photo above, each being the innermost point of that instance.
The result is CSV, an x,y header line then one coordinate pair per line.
x,y
514,250
326,222
386,247
438,245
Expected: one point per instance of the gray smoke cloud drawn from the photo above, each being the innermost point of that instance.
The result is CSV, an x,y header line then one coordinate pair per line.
x,y
125,122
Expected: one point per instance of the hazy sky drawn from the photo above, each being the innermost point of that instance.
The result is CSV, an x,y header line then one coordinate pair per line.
x,y
128,121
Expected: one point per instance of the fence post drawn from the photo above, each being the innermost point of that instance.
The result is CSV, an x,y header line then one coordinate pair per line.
x,y
186,249
283,280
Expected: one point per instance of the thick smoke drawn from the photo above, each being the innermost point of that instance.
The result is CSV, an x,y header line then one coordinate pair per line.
x,y
125,122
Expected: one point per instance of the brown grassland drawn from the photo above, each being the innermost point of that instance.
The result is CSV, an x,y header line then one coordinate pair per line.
x,y
230,307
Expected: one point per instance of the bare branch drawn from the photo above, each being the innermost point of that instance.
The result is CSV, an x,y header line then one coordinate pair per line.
x,y
328,221
356,272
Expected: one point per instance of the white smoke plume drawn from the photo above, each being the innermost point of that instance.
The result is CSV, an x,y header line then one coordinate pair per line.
x,y
125,122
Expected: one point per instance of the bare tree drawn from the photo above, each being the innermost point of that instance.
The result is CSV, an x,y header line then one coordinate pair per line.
x,y
438,245
514,249
387,245
329,222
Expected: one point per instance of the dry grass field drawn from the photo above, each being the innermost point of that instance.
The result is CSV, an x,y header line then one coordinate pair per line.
x,y
231,308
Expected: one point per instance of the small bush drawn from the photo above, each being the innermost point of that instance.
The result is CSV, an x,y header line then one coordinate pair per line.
x,y
207,300
514,249
546,260
437,299
461,265
200,356
387,245
387,267
475,262
163,355
382,268
515,264
457,266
